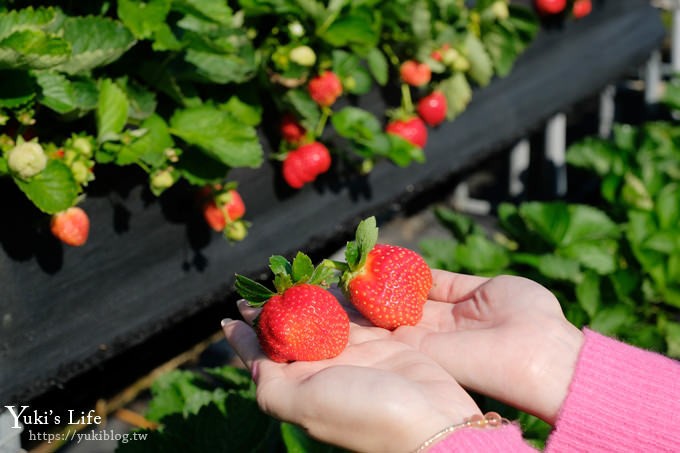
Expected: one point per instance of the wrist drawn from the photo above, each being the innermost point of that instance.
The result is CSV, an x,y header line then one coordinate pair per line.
x,y
553,377
489,420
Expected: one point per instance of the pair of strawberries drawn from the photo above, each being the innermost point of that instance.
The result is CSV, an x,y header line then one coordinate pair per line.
x,y
303,320
580,8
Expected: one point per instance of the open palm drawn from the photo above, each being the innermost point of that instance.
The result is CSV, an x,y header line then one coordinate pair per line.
x,y
389,395
505,337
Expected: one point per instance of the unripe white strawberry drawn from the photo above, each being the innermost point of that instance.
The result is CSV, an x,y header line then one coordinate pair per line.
x,y
80,171
500,10
27,159
303,55
162,179
296,29
83,145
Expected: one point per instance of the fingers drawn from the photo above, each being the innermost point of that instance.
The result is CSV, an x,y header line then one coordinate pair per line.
x,y
249,313
453,287
243,340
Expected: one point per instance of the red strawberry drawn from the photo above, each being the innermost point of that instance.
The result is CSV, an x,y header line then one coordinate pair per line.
x,y
386,283
432,108
304,164
413,130
302,320
291,129
316,157
71,226
548,7
214,216
325,88
231,204
414,73
223,209
582,8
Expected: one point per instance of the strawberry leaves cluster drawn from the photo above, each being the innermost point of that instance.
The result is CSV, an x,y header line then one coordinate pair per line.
x,y
303,320
179,88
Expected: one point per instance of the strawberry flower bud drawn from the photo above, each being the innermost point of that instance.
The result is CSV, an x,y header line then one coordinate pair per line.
x,y
83,146
303,55
27,159
296,29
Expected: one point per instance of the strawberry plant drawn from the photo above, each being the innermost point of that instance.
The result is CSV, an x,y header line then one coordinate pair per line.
x,y
179,88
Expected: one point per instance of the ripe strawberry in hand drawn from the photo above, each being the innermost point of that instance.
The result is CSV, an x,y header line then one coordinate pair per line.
x,y
432,108
415,73
386,283
412,129
549,7
582,8
304,164
302,320
72,226
325,88
291,129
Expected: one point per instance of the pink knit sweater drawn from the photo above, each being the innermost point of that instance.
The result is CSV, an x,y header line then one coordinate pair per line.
x,y
621,399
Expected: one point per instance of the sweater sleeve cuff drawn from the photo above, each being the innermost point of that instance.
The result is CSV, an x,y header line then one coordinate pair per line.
x,y
505,439
621,399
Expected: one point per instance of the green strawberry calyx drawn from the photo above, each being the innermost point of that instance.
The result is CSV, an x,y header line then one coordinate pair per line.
x,y
286,274
356,251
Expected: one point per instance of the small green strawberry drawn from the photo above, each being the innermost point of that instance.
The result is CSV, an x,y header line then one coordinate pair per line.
x,y
386,283
302,320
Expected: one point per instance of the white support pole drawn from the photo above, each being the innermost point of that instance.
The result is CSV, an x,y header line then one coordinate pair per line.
x,y
520,156
675,39
607,111
10,437
653,79
555,151
464,203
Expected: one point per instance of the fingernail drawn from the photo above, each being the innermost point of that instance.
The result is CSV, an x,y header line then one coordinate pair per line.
x,y
225,321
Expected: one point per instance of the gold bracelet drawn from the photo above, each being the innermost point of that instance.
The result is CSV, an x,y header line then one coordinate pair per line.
x,y
488,420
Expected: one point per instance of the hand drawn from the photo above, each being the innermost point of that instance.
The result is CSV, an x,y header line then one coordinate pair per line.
x,y
378,395
505,337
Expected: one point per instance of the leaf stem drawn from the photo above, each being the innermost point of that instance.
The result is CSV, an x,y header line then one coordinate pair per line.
x,y
325,114
406,101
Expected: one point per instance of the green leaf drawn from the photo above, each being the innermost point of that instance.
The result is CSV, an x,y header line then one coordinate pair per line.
x,y
440,253
671,332
356,124
142,101
348,67
302,268
56,92
559,268
588,293
366,238
112,111
279,265
52,190
149,148
27,19
246,113
667,206
232,378
221,67
599,256
596,154
549,220
297,441
95,41
33,49
252,291
323,276
402,152
143,18
377,64
199,169
219,135
353,29
587,223
481,255
613,320
481,67
208,9
460,225
500,44
458,94
305,106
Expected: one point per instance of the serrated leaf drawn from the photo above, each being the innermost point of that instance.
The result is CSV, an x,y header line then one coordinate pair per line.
x,y
612,320
208,9
458,94
223,68
279,265
26,19
52,190
246,113
282,282
323,276
252,291
56,92
112,111
366,238
33,49
142,101
440,253
199,169
402,152
559,268
481,255
588,293
501,47
481,67
302,268
352,29
377,64
150,147
219,135
143,18
95,41
305,106
356,124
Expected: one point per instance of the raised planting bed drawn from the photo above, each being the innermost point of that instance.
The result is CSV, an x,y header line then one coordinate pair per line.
x,y
154,279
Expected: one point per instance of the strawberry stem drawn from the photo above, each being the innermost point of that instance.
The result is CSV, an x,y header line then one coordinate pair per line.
x,y
325,114
406,101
